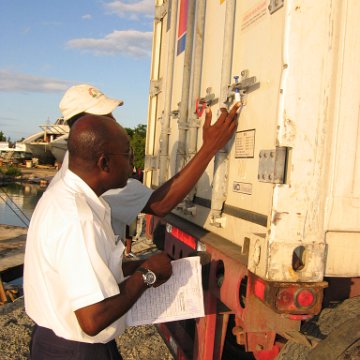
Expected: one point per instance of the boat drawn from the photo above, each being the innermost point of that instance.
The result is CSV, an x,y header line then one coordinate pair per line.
x,y
39,144
58,147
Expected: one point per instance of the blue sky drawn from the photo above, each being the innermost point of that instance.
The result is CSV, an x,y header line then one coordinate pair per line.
x,y
47,46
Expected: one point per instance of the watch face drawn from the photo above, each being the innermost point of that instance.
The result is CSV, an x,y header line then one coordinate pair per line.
x,y
150,277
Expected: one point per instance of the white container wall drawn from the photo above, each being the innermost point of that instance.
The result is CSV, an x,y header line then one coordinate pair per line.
x,y
288,184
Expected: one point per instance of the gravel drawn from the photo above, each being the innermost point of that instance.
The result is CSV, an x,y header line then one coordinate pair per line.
x,y
137,343
15,331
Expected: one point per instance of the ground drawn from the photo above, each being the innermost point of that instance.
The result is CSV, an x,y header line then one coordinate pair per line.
x,y
137,343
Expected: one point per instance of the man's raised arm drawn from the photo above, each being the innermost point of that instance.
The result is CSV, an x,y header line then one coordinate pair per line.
x,y
215,137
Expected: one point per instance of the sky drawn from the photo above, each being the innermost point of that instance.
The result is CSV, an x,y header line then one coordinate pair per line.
x,y
46,46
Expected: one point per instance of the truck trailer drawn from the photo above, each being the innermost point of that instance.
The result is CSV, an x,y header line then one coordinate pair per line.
x,y
275,218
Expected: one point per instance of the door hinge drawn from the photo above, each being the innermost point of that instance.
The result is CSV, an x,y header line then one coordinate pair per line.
x,y
272,165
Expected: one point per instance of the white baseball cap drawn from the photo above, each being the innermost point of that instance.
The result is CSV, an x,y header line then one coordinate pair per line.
x,y
86,98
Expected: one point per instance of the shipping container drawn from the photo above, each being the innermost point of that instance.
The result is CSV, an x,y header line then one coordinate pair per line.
x,y
276,215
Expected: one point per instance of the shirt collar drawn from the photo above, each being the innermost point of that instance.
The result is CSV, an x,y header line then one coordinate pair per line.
x,y
78,185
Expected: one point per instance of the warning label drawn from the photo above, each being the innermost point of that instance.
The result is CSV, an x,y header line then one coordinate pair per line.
x,y
245,144
253,15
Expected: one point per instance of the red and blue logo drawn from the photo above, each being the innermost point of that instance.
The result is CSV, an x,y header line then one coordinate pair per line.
x,y
181,38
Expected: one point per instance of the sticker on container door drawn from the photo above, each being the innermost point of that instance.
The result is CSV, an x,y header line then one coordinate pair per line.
x,y
181,37
241,187
245,144
254,14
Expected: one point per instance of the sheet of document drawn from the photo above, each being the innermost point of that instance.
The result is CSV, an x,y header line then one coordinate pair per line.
x,y
180,298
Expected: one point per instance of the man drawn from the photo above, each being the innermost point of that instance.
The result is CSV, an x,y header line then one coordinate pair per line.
x,y
128,202
74,285
73,259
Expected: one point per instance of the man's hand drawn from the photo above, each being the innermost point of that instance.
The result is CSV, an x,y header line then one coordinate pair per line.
x,y
96,317
159,264
216,136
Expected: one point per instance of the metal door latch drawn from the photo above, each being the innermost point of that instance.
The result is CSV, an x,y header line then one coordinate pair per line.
x,y
203,102
244,86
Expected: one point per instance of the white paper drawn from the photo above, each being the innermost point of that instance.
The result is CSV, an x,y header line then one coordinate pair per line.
x,y
180,298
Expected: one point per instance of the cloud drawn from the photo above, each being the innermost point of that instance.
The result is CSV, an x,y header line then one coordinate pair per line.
x,y
131,9
130,42
20,82
87,17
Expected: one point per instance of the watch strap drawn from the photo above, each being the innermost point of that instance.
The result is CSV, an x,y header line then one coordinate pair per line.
x,y
142,270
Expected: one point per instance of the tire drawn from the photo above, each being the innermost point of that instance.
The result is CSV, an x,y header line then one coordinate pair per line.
x,y
336,331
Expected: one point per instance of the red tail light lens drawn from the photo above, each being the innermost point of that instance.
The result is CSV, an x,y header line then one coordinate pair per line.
x,y
183,237
259,289
304,298
295,299
285,298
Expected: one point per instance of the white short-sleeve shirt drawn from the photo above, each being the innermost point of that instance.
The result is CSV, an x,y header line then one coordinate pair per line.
x,y
72,259
126,203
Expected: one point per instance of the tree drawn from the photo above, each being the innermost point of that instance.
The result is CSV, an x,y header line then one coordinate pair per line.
x,y
2,136
137,142
130,132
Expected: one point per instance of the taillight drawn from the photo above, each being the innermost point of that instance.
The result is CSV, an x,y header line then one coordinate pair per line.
x,y
295,299
259,289
304,298
182,236
284,299
288,298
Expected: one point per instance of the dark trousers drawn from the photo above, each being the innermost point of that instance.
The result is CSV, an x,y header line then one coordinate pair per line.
x,y
45,345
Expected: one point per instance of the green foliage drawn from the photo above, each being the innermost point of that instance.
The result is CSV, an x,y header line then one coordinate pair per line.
x,y
11,171
137,142
130,132
2,136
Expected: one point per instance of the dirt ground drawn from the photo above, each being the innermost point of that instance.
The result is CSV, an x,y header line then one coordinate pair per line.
x,y
41,172
137,343
38,174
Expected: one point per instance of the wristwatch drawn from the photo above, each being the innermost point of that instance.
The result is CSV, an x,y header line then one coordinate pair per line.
x,y
148,276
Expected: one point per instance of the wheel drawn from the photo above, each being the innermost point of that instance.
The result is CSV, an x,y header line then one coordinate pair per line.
x,y
336,331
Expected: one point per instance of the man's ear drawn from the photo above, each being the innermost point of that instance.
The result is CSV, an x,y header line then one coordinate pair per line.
x,y
103,163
